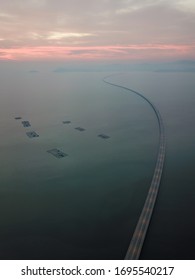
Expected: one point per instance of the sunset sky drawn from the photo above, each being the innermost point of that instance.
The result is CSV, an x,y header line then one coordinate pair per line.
x,y
97,30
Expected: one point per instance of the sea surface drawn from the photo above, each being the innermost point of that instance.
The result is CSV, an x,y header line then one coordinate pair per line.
x,y
86,205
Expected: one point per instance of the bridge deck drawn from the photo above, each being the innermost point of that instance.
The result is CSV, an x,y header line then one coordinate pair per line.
x,y
138,238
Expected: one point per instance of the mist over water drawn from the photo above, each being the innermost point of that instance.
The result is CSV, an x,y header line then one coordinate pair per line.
x,y
86,205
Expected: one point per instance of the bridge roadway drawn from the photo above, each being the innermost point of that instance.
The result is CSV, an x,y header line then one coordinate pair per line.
x,y
136,244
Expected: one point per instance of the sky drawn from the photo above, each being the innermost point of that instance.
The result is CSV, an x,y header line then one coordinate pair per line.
x,y
97,30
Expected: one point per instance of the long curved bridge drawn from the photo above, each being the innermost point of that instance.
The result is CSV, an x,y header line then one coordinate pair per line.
x,y
138,238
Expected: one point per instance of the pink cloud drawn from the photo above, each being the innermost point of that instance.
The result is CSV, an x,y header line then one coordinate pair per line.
x,y
128,52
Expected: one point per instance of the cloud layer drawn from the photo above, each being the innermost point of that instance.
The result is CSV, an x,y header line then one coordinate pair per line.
x,y
103,29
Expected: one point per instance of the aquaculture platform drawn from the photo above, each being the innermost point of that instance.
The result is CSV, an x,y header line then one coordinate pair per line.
x,y
26,123
57,153
80,128
32,134
103,136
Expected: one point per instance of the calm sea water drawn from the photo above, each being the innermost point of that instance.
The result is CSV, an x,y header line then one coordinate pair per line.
x,y
86,206
172,229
